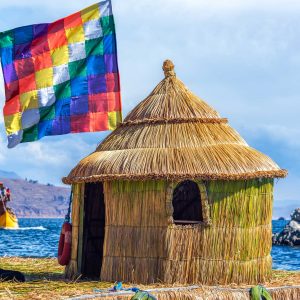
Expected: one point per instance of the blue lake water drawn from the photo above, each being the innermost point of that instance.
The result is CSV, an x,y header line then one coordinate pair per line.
x,y
39,238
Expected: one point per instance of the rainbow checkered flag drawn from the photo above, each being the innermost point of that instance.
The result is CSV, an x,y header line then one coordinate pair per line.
x,y
61,77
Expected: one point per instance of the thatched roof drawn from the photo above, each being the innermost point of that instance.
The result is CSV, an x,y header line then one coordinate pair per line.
x,y
176,135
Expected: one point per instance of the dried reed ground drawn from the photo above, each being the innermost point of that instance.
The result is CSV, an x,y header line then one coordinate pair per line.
x,y
45,280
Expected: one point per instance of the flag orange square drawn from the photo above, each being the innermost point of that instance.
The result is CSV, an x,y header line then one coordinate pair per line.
x,y
57,39
114,101
27,84
42,61
99,121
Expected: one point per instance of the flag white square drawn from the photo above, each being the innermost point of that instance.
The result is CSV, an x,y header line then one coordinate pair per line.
x,y
46,96
93,29
60,74
30,117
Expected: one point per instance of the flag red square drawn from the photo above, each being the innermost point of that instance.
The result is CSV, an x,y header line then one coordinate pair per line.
x,y
39,46
24,67
112,82
98,103
12,106
27,84
80,123
11,90
56,26
73,21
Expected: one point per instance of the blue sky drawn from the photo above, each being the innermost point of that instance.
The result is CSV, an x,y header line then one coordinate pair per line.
x,y
240,56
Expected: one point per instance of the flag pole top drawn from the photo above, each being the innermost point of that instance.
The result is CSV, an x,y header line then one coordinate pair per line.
x,y
168,68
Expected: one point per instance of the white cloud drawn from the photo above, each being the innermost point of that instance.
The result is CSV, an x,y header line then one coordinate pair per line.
x,y
241,56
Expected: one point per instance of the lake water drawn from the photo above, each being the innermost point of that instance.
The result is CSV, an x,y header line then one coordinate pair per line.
x,y
39,238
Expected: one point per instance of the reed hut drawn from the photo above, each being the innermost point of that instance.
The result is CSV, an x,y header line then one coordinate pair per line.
x,y
173,195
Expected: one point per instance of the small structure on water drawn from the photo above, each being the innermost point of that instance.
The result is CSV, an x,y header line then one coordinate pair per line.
x,y
7,217
174,194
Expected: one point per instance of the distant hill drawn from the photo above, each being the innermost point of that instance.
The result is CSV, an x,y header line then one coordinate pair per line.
x,y
33,200
7,174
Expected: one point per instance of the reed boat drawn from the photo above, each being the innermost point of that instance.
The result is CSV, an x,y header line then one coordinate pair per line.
x,y
8,220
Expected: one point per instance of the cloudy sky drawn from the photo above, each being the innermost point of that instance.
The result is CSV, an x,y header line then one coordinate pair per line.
x,y
241,56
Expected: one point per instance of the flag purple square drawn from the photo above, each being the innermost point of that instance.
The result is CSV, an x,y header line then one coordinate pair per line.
x,y
97,84
79,105
10,73
22,51
39,30
111,63
61,125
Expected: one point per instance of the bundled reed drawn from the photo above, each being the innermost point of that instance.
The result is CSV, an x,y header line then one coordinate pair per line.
x,y
174,134
234,248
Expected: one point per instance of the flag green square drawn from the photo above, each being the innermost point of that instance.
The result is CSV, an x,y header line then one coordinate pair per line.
x,y
6,39
30,134
108,25
94,47
77,68
63,90
47,113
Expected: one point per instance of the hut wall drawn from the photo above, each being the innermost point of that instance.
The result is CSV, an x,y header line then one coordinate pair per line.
x,y
136,224
235,248
142,245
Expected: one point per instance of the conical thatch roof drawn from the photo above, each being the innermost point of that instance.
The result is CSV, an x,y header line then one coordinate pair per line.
x,y
173,134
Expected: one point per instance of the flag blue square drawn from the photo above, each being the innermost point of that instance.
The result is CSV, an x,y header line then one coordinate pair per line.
x,y
96,65
23,35
79,86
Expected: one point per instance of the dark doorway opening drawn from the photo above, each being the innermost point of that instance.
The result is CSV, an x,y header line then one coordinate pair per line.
x,y
187,208
93,230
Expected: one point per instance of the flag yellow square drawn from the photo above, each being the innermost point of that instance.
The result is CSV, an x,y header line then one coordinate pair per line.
x,y
75,34
90,13
60,56
13,123
29,100
44,78
114,118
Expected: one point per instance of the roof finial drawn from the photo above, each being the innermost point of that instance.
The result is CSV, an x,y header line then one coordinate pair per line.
x,y
168,68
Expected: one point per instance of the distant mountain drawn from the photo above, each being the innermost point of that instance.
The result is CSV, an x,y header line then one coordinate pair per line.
x,y
7,174
33,200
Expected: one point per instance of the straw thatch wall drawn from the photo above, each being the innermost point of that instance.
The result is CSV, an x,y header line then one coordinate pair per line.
x,y
143,246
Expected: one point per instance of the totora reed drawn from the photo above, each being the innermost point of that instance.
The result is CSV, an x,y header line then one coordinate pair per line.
x,y
173,195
